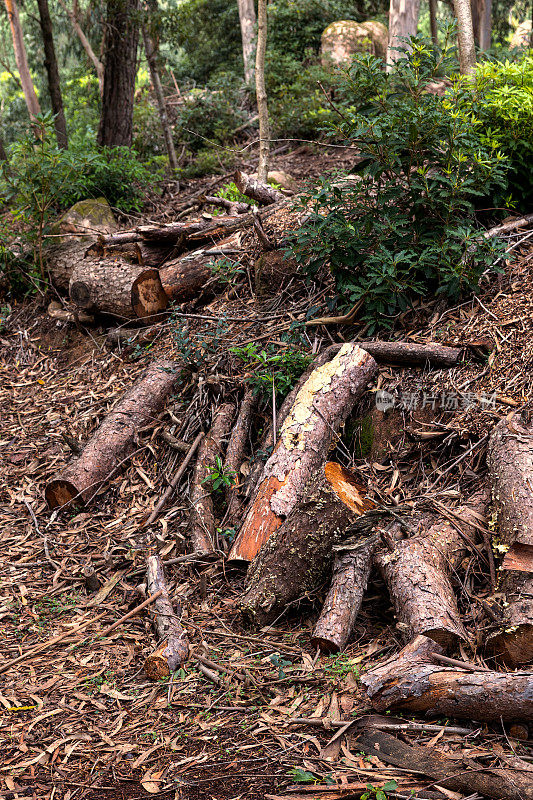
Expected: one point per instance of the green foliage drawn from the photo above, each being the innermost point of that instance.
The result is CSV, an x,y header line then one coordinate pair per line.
x,y
219,477
272,368
226,271
209,115
404,225
379,793
230,192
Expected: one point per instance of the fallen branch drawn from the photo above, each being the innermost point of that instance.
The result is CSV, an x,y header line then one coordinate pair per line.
x,y
175,647
260,192
235,452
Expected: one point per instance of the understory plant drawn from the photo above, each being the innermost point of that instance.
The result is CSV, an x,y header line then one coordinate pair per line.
x,y
402,224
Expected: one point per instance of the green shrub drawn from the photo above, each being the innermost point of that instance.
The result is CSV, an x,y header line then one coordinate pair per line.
x,y
271,367
210,115
404,225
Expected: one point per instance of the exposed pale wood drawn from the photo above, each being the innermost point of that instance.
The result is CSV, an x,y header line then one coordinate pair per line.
x,y
261,192
175,647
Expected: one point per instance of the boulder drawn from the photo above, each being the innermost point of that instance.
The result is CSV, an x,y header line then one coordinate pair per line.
x,y
343,39
283,179
87,218
522,35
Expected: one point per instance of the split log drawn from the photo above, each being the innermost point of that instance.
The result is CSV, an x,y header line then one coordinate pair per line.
x,y
113,440
418,573
351,571
260,192
510,458
202,522
174,650
320,408
298,554
235,453
468,777
117,288
412,682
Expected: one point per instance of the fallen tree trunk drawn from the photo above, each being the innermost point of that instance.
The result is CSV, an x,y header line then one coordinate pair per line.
x,y
184,277
320,408
510,458
418,573
174,650
233,207
235,453
112,442
61,259
202,521
117,288
412,354
412,682
351,570
260,192
147,254
469,777
298,554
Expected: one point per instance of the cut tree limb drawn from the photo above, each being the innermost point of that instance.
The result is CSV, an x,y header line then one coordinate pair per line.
x,y
235,453
418,573
351,570
431,354
299,553
260,192
175,647
413,683
202,521
113,440
320,408
118,288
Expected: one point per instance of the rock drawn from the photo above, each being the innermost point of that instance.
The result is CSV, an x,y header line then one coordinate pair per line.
x,y
272,271
522,35
342,39
87,218
283,179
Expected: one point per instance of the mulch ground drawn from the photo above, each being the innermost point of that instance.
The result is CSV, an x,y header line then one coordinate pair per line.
x,y
80,719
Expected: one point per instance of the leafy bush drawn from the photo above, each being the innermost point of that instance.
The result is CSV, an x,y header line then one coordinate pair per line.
x,y
210,115
272,367
404,225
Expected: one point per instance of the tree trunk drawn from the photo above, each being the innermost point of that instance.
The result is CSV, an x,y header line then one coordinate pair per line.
x,y
418,573
433,22
52,71
320,408
482,22
62,259
28,89
465,37
235,453
247,20
174,650
151,51
113,440
122,34
512,643
260,90
351,571
202,524
93,58
121,289
298,555
403,23
412,682
260,192
184,277
3,152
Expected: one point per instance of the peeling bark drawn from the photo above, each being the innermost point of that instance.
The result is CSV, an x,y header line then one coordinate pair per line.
x,y
260,192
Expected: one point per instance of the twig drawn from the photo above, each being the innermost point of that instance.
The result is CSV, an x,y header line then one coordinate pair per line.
x,y
45,538
454,662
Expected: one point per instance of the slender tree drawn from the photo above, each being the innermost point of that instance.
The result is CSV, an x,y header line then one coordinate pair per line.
x,y
248,20
28,89
73,16
151,48
52,71
403,23
433,22
482,22
120,67
260,90
465,36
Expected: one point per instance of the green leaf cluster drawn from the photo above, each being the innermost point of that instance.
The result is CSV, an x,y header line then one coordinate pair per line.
x,y
271,368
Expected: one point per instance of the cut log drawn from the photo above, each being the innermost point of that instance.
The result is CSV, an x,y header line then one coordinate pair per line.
x,y
235,453
431,354
412,682
351,570
260,192
117,288
418,573
147,254
468,777
202,521
298,555
113,440
510,458
174,650
320,408
184,277
62,259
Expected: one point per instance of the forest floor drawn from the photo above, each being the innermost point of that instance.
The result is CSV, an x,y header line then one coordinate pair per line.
x,y
80,719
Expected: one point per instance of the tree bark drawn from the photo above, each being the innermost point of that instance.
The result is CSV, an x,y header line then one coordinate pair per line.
x,y
122,35
52,71
403,23
184,277
412,682
93,58
113,440
481,22
62,259
298,555
174,650
261,192
202,522
433,22
320,408
260,90
418,574
351,571
28,89
465,36
151,50
118,288
235,453
512,643
247,20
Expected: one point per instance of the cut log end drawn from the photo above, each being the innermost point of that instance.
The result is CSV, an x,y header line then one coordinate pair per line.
x,y
345,486
148,297
513,646
166,659
60,493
